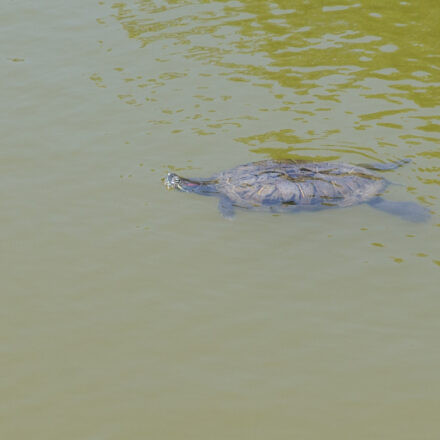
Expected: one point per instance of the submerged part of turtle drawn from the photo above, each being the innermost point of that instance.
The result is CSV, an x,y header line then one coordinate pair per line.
x,y
290,186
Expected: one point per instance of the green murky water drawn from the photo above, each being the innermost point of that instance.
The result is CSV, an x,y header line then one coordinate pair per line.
x,y
130,312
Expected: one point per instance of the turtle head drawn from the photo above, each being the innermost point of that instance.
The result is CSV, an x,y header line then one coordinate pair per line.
x,y
173,181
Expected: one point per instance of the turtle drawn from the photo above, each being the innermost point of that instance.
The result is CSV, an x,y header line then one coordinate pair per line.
x,y
291,185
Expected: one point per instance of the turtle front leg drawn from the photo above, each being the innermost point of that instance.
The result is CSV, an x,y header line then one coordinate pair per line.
x,y
226,207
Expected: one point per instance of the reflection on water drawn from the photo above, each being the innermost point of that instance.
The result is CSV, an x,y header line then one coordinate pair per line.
x,y
308,48
373,66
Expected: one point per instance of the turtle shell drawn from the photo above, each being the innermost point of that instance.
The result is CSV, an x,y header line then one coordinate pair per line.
x,y
285,183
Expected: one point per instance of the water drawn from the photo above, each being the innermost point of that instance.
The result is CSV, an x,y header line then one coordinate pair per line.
x,y
133,312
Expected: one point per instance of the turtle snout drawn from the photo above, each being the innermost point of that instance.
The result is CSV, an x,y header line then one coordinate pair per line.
x,y
172,181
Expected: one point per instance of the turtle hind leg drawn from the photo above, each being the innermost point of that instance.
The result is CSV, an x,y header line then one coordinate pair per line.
x,y
385,166
226,207
410,211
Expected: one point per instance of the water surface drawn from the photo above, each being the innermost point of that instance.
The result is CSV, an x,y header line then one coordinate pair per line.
x,y
132,312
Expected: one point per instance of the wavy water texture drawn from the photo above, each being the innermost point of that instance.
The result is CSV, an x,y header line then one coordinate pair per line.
x,y
296,78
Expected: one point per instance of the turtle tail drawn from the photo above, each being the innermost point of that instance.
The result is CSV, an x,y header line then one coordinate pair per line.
x,y
385,166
